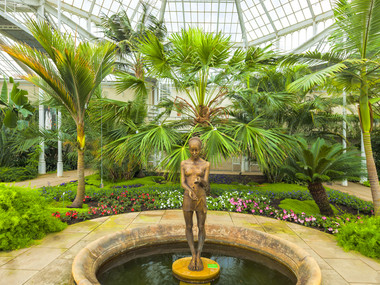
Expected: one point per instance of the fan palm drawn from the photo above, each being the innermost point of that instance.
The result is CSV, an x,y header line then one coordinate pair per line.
x,y
204,69
70,73
322,163
356,57
189,63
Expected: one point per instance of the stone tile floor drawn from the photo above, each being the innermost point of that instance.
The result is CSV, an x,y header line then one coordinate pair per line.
x,y
49,261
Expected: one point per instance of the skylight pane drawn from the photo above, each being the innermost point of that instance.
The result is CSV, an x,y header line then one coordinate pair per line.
x,y
295,5
317,9
278,25
307,13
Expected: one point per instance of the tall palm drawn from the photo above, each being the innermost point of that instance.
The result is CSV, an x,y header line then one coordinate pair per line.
x,y
356,56
70,72
322,163
132,72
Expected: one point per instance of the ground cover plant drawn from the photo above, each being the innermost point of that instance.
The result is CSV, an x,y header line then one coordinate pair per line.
x,y
363,236
24,217
263,200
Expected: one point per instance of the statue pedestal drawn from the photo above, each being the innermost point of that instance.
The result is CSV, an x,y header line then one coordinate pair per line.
x,y
210,271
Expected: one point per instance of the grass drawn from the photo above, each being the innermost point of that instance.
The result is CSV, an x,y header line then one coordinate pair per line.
x,y
281,187
61,207
308,207
94,179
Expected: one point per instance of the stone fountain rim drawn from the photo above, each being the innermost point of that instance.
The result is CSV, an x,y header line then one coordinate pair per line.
x,y
87,262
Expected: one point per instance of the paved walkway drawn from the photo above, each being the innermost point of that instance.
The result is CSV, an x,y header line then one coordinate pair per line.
x,y
49,262
355,189
52,179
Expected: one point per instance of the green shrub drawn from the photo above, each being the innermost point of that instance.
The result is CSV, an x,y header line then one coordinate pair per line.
x,y
362,235
10,174
24,217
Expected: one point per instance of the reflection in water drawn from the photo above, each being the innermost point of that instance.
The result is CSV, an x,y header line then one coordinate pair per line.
x,y
154,268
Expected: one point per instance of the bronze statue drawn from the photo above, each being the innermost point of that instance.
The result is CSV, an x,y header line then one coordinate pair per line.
x,y
194,179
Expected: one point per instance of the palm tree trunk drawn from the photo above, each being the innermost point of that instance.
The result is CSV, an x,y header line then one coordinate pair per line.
x,y
319,195
78,201
372,173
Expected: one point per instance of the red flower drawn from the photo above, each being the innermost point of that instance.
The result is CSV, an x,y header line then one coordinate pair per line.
x,y
132,210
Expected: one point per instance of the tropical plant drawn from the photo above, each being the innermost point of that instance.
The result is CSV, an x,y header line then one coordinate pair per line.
x,y
132,72
203,67
15,103
198,64
70,73
354,63
322,163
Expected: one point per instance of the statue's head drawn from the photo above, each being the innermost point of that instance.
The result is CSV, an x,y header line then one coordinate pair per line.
x,y
195,146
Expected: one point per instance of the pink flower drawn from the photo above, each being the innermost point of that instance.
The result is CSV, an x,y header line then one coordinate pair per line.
x,y
324,218
261,211
253,211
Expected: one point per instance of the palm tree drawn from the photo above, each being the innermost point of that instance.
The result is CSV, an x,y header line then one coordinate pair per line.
x,y
131,70
70,72
354,62
322,163
203,67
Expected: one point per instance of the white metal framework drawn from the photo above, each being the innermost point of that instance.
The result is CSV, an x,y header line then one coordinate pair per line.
x,y
287,23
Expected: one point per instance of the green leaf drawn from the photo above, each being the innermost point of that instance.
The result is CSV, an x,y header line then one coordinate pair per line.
x,y
10,118
4,94
25,112
18,96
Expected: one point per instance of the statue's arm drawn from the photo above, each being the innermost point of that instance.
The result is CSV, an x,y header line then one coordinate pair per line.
x,y
207,173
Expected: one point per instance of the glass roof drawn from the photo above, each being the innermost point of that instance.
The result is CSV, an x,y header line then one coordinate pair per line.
x,y
286,23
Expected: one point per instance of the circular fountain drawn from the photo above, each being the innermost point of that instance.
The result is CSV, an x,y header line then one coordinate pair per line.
x,y
98,253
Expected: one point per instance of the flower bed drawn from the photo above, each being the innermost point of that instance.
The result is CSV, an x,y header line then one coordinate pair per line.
x,y
105,202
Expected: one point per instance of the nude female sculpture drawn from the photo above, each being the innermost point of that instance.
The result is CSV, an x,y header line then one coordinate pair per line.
x,y
194,179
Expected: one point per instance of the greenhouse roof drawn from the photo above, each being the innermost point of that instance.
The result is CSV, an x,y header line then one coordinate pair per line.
x,y
288,23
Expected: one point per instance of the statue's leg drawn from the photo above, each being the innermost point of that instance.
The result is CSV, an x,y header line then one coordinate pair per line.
x,y
201,219
188,215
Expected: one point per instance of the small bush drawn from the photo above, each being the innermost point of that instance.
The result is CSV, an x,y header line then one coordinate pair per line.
x,y
24,217
10,174
362,235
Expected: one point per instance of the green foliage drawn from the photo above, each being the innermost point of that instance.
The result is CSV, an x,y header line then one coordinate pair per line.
x,y
10,174
308,207
375,141
322,162
282,187
362,235
24,217
16,104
